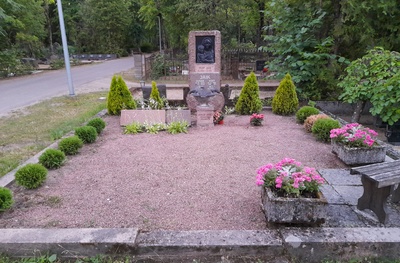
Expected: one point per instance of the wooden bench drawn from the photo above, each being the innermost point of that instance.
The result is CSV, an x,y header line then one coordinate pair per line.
x,y
378,181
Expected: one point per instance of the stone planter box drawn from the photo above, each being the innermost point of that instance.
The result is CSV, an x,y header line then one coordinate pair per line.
x,y
142,116
303,211
178,115
360,155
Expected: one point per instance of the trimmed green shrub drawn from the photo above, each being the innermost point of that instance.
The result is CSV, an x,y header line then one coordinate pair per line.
x,y
52,158
249,101
155,101
31,175
6,199
322,128
285,101
98,123
304,112
70,145
309,122
87,134
119,97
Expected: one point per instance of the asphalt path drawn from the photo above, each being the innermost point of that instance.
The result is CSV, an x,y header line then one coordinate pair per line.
x,y
19,92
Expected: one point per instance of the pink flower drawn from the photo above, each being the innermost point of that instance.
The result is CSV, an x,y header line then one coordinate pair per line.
x,y
354,135
289,176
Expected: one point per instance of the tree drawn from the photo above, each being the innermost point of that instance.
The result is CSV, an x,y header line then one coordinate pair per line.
x,y
368,23
22,26
375,78
302,47
104,27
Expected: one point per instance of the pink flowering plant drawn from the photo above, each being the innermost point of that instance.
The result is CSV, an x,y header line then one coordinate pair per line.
x,y
289,178
256,119
354,135
218,116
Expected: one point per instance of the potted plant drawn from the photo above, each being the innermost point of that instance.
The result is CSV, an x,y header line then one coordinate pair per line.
x,y
290,193
218,117
256,119
355,144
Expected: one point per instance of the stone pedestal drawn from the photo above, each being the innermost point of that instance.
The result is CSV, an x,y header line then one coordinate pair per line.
x,y
217,102
204,116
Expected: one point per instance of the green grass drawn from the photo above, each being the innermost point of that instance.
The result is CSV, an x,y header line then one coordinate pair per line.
x,y
27,132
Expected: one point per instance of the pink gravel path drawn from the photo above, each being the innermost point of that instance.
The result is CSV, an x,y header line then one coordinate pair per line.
x,y
203,180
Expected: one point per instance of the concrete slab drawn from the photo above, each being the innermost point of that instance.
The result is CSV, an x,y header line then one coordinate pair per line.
x,y
316,245
331,195
340,177
350,193
344,216
266,243
67,243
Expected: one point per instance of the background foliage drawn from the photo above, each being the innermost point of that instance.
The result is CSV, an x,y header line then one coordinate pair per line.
x,y
313,40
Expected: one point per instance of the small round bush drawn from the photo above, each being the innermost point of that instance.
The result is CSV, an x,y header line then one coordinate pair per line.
x,y
87,134
322,128
52,159
98,123
31,175
304,112
6,199
70,145
309,122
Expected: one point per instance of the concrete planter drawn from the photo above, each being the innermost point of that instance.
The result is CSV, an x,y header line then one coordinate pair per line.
x,y
304,211
142,116
178,115
360,155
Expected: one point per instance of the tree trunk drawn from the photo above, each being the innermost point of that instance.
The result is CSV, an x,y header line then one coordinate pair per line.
x,y
336,4
261,22
358,110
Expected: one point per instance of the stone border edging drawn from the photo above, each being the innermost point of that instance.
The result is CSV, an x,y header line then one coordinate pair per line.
x,y
301,244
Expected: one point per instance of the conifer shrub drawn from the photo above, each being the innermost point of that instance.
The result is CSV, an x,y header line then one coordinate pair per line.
x,y
304,112
249,101
98,123
87,134
309,122
119,97
70,145
285,101
31,176
322,128
52,158
6,199
155,101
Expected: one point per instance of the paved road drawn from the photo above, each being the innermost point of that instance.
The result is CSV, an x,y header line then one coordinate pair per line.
x,y
19,92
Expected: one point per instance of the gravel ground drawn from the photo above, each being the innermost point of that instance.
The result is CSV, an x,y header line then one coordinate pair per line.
x,y
203,180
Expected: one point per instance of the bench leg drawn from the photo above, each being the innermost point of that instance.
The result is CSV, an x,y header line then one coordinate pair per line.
x,y
374,199
396,195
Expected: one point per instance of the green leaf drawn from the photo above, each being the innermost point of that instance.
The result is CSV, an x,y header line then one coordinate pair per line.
x,y
52,258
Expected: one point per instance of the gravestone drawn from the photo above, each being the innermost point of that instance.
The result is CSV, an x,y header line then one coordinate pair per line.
x,y
205,59
205,75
